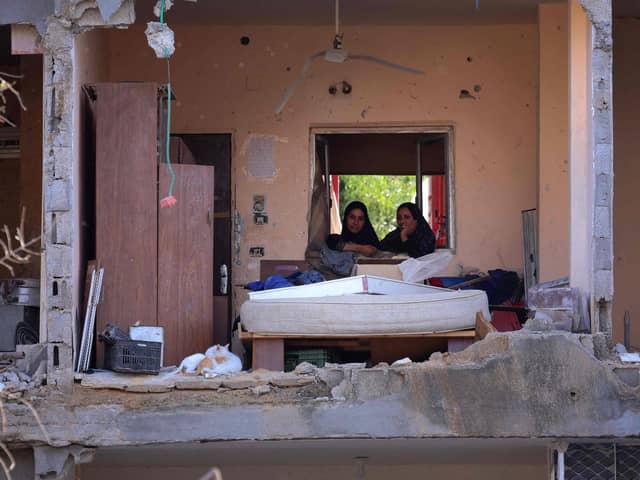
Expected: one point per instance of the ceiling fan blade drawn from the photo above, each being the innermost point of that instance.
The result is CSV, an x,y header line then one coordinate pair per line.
x,y
386,63
291,88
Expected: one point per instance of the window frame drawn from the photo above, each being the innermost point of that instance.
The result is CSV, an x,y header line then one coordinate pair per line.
x,y
448,129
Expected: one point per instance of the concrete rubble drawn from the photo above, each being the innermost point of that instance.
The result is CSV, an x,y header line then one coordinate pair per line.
x,y
576,394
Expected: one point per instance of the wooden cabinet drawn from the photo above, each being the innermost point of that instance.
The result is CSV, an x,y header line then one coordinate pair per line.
x,y
158,262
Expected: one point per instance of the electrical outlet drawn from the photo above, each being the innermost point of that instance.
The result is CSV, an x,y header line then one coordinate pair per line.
x,y
259,205
260,218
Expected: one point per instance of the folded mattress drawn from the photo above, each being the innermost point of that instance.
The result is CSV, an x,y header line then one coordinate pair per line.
x,y
385,309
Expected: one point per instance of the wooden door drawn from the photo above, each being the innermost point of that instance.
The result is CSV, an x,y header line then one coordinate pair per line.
x,y
185,262
214,149
126,204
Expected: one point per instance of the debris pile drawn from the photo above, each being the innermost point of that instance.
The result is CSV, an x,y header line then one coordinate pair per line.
x,y
13,380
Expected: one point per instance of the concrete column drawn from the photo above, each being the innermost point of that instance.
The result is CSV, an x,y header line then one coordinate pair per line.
x,y
553,150
59,463
591,262
58,184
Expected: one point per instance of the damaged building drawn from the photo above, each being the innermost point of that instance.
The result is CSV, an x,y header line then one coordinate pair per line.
x,y
155,163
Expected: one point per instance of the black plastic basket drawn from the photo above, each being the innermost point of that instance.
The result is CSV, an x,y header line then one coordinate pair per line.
x,y
133,356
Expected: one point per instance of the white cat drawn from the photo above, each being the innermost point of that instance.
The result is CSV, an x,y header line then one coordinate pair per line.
x,y
222,361
189,364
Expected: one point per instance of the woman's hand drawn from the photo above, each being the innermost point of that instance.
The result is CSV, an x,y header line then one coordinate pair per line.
x,y
366,250
404,233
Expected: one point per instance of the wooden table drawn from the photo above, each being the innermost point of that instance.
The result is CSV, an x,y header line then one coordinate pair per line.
x,y
268,349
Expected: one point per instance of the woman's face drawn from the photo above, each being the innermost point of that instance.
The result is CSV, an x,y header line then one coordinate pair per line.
x,y
355,220
406,221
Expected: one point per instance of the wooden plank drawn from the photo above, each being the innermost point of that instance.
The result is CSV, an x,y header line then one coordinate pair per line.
x,y
185,262
268,353
483,327
126,203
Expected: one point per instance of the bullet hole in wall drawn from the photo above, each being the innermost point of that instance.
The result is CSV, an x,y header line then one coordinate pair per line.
x,y
466,94
244,40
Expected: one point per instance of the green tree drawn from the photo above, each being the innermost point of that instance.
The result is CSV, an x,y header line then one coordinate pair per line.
x,y
381,194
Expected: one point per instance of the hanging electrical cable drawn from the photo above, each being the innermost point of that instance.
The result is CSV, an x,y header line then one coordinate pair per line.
x,y
169,200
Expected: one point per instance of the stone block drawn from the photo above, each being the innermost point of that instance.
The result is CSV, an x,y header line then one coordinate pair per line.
x,y
260,389
602,227
59,261
59,358
197,383
285,380
602,126
603,254
243,380
603,284
603,190
59,326
57,196
603,158
331,376
629,375
63,228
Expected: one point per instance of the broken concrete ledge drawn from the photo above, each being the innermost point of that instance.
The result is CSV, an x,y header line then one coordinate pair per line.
x,y
509,385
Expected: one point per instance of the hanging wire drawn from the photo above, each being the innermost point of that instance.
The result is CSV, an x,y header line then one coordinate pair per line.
x,y
168,142
169,200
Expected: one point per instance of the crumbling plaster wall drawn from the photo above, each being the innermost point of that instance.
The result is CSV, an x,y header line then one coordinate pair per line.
x,y
223,86
541,385
600,180
60,165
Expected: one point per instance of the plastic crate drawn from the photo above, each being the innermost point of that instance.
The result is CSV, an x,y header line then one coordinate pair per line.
x,y
315,356
133,356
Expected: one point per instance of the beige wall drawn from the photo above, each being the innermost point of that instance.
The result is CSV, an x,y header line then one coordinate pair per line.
x,y
319,472
223,86
626,219
553,154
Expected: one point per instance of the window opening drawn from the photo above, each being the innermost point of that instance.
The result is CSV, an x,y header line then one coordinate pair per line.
x,y
384,170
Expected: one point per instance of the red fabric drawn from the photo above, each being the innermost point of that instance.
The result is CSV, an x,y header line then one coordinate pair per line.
x,y
506,321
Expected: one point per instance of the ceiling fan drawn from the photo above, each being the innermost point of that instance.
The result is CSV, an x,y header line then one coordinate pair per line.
x,y
337,54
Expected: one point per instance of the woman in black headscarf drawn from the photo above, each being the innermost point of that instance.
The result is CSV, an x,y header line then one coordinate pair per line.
x,y
413,235
357,234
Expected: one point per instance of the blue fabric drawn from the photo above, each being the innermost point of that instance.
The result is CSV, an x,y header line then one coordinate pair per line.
x,y
279,281
276,281
338,262
305,278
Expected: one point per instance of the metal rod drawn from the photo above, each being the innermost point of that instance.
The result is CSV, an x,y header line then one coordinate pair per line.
x,y
11,355
560,464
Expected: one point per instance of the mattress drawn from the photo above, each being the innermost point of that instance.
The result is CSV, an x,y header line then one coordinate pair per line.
x,y
370,311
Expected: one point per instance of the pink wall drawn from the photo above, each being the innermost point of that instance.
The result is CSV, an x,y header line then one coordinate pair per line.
x,y
223,86
626,224
553,168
